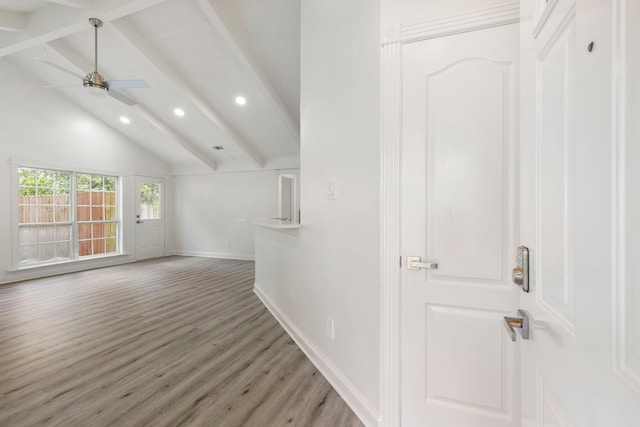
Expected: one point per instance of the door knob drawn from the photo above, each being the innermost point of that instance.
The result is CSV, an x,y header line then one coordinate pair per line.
x,y
521,322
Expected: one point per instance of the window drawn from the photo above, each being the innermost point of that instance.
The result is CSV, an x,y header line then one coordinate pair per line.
x,y
149,200
57,224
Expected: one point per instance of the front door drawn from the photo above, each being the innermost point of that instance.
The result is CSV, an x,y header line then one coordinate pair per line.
x,y
149,217
580,365
459,144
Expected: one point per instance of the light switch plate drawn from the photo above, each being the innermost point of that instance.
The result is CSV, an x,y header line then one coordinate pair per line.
x,y
332,190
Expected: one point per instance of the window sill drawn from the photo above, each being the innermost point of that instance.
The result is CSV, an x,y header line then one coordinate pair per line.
x,y
79,261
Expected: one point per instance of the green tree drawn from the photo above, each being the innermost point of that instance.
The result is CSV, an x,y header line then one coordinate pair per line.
x,y
33,182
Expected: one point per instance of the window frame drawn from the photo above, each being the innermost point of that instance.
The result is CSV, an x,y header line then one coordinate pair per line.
x,y
73,215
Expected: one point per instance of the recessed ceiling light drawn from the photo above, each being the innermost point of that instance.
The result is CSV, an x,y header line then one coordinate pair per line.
x,y
125,120
240,100
179,112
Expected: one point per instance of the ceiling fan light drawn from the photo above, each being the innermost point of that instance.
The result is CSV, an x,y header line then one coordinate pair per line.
x,y
96,91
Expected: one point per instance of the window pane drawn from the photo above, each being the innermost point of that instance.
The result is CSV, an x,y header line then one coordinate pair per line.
x,y
112,245
111,229
28,254
83,198
63,233
46,234
97,182
97,213
110,213
62,182
83,181
110,184
98,246
28,235
26,214
46,252
97,231
27,177
45,213
149,200
62,214
110,198
84,248
97,198
63,250
84,231
84,213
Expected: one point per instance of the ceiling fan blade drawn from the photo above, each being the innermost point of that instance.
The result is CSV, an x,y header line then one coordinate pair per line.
x,y
121,97
60,86
128,84
59,67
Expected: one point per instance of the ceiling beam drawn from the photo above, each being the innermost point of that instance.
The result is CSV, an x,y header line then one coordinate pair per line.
x,y
53,22
78,62
161,65
260,79
72,3
13,21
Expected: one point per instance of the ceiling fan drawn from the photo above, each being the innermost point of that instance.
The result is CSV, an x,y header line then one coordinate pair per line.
x,y
94,82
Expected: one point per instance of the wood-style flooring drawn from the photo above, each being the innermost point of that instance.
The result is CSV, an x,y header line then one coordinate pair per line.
x,y
166,342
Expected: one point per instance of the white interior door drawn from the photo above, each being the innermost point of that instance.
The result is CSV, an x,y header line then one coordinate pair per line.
x,y
459,140
149,217
580,364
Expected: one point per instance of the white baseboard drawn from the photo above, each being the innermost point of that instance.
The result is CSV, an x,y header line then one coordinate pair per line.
x,y
356,401
222,255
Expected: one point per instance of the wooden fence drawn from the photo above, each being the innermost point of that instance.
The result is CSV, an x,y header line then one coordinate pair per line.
x,y
48,211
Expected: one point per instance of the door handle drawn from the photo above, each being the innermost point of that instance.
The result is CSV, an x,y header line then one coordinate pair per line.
x,y
521,322
414,263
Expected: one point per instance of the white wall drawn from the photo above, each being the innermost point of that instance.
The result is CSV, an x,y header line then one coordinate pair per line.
x,y
330,268
40,128
212,213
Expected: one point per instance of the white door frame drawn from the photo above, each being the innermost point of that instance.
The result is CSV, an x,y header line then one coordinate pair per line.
x,y
390,205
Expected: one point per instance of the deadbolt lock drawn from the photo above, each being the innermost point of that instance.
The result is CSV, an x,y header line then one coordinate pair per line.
x,y
520,274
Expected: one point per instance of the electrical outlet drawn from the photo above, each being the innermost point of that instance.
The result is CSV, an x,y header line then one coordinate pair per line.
x,y
330,328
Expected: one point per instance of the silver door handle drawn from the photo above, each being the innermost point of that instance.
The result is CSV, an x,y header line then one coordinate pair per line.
x,y
414,263
521,322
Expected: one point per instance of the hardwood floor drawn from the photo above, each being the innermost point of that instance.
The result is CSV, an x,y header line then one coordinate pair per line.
x,y
166,342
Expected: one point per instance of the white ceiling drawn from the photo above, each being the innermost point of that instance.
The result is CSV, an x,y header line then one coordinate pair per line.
x,y
197,55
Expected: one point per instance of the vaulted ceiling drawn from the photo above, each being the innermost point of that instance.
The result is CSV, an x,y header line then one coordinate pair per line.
x,y
196,55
